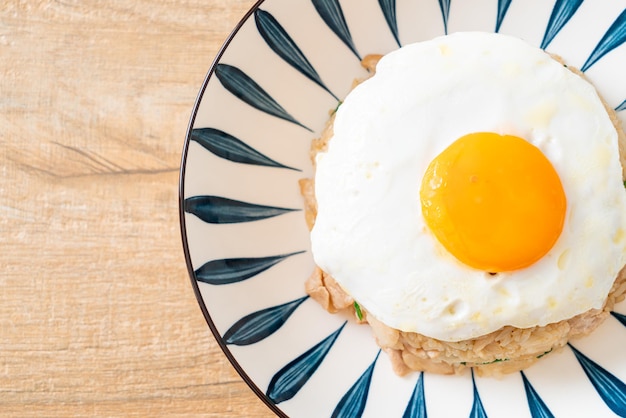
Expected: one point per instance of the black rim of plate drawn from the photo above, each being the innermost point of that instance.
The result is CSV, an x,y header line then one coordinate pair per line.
x,y
181,213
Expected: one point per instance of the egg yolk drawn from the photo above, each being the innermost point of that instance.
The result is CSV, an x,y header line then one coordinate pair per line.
x,y
493,201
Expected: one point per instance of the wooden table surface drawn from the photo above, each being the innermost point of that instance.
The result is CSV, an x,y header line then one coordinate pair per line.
x,y
97,314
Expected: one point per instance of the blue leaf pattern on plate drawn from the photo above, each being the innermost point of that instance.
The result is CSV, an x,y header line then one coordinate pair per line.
x,y
620,317
389,11
289,380
503,7
261,324
444,5
243,87
417,405
220,210
478,410
610,388
233,270
538,408
230,148
257,326
561,13
352,404
330,11
281,43
614,37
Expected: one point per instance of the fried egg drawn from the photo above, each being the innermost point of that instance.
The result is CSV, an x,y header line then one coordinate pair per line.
x,y
473,182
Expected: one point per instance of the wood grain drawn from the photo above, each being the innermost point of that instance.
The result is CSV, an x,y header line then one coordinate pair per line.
x,y
97,315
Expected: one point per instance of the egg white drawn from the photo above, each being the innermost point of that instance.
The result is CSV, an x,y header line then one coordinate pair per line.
x,y
370,234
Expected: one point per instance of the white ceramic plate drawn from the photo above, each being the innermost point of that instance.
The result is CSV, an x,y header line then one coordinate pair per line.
x,y
266,96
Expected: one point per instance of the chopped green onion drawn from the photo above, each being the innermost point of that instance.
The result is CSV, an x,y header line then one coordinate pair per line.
x,y
547,352
357,310
337,108
464,363
496,361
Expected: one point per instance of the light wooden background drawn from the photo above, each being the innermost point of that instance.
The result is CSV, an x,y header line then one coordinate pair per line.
x,y
97,314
